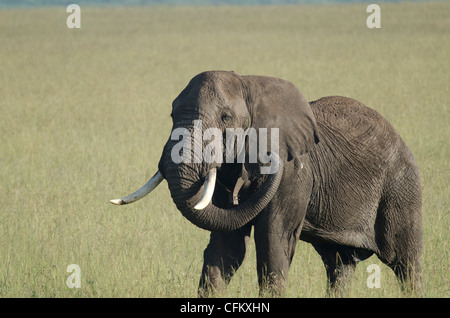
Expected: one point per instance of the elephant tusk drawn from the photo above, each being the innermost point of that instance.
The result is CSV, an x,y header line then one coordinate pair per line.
x,y
142,192
208,190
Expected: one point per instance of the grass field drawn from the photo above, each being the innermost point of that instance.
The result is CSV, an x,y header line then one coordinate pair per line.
x,y
85,114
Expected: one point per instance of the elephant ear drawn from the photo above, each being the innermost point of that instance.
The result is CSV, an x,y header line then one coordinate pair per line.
x,y
276,103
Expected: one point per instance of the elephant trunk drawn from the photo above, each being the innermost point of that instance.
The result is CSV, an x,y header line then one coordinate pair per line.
x,y
187,183
186,192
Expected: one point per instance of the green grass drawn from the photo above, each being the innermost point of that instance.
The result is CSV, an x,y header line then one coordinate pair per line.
x,y
85,114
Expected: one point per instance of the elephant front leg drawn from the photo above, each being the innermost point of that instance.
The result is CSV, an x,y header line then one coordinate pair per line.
x,y
222,257
274,256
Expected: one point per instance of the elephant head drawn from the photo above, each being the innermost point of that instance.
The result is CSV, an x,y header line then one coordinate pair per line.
x,y
218,101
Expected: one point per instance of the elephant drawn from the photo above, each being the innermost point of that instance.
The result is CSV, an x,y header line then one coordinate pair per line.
x,y
345,182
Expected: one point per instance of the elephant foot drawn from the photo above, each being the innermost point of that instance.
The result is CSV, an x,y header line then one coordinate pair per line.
x,y
272,286
211,283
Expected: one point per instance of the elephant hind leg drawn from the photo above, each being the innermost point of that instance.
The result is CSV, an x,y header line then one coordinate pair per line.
x,y
407,267
409,277
399,237
340,264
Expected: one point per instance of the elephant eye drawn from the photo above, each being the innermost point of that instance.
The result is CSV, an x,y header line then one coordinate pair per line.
x,y
226,117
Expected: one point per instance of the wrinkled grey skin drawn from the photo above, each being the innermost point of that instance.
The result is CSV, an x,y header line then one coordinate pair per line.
x,y
347,184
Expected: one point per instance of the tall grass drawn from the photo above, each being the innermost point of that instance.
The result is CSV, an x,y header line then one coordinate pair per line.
x,y
85,114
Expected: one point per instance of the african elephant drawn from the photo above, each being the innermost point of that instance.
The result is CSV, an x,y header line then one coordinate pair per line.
x,y
346,182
